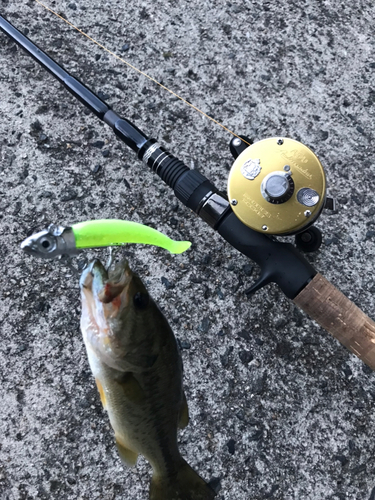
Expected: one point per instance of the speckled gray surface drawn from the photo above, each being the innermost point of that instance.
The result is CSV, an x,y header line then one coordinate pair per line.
x,y
296,422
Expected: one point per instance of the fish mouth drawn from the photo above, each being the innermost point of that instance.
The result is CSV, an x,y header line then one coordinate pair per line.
x,y
105,285
27,247
104,301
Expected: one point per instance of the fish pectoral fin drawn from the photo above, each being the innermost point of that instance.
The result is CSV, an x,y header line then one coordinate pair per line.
x,y
131,388
184,414
101,393
128,457
143,360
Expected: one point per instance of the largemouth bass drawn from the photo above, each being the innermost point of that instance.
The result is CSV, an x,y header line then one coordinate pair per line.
x,y
135,360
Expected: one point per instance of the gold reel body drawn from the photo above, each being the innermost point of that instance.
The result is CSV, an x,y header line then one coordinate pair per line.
x,y
277,186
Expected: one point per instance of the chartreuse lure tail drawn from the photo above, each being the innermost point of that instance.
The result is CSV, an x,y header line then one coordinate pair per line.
x,y
58,240
113,232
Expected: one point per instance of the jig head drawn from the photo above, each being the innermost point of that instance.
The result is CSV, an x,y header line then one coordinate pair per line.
x,y
50,243
57,240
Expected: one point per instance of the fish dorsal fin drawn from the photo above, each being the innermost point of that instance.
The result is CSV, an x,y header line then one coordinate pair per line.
x,y
184,413
128,457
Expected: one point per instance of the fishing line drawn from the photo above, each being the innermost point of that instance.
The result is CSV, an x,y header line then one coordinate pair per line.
x,y
141,72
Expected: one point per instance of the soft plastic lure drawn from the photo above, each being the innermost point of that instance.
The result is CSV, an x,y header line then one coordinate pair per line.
x,y
57,240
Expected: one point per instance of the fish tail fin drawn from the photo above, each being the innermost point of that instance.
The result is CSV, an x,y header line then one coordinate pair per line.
x,y
185,485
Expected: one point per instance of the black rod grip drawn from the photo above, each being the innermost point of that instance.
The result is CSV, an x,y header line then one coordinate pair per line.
x,y
280,263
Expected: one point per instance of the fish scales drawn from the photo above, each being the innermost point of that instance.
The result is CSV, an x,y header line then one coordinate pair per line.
x,y
135,360
136,402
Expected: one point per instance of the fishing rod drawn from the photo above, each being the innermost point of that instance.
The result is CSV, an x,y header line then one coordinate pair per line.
x,y
276,187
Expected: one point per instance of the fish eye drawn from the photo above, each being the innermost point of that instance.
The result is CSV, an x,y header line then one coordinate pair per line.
x,y
141,300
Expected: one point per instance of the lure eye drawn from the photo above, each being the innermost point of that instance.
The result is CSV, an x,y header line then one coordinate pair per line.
x,y
47,243
141,300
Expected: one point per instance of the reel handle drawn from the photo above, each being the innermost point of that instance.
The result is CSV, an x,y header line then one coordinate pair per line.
x,y
324,303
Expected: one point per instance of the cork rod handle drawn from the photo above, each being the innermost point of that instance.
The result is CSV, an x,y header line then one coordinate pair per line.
x,y
340,317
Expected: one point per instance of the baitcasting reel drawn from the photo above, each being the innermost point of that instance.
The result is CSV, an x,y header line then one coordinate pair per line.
x,y
277,186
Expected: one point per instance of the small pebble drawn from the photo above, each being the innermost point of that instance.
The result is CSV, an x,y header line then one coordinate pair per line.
x,y
68,194
185,344
280,323
358,198
347,372
274,488
358,469
360,130
46,194
42,137
256,436
36,126
195,279
96,169
224,358
205,325
240,415
244,334
231,446
259,384
206,259
247,269
103,95
168,285
329,241
245,356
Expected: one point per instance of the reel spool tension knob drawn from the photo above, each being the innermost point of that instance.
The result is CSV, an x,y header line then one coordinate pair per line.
x,y
277,187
